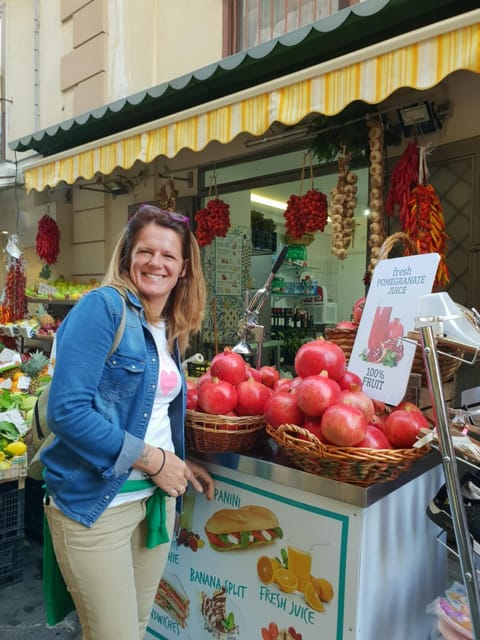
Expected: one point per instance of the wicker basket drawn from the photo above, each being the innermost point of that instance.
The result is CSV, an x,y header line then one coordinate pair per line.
x,y
448,365
344,338
223,434
304,240
353,465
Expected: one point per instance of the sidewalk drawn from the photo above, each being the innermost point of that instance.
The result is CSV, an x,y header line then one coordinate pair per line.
x,y
22,612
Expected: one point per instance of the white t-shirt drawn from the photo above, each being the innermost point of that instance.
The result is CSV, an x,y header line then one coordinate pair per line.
x,y
159,432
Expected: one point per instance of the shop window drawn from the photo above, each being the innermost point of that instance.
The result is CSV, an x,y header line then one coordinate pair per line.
x,y
251,22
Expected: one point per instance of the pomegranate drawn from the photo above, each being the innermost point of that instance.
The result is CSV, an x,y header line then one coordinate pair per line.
x,y
350,381
320,355
346,324
374,439
229,366
343,425
314,426
358,310
402,427
269,375
360,400
192,398
217,396
253,373
252,396
282,408
316,393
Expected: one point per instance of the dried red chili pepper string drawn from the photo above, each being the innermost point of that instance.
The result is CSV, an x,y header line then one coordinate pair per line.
x,y
48,240
424,222
403,179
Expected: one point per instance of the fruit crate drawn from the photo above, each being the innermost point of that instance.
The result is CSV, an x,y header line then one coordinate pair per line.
x,y
12,511
18,469
11,562
197,369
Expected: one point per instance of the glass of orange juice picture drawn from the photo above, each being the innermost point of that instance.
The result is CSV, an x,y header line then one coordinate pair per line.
x,y
300,563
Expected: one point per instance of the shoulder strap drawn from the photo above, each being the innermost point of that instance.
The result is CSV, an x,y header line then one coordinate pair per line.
x,y
121,327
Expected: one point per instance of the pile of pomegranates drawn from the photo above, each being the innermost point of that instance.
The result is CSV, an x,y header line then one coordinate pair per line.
x,y
323,397
328,401
231,387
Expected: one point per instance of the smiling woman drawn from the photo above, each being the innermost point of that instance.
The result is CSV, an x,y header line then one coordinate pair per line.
x,y
120,429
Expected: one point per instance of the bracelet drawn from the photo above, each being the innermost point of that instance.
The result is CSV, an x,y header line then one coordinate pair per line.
x,y
151,475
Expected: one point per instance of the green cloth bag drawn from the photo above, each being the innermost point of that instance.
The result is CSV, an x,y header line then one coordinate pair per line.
x,y
58,601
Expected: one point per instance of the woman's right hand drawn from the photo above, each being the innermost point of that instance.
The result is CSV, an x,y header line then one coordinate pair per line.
x,y
175,476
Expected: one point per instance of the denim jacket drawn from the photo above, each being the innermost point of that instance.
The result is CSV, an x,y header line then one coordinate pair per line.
x,y
99,407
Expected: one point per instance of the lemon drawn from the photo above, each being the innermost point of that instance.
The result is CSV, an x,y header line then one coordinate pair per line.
x,y
2,456
16,448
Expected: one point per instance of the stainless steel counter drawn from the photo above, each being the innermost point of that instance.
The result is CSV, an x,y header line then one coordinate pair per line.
x,y
269,462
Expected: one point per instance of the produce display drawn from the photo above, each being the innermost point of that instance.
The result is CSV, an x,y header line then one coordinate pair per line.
x,y
18,394
306,213
213,221
60,289
322,398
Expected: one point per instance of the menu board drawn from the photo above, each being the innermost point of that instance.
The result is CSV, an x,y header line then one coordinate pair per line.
x,y
228,265
253,563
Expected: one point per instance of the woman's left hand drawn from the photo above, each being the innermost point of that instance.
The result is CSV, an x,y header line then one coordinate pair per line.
x,y
201,481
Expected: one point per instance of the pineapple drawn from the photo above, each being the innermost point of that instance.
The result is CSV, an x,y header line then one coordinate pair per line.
x,y
32,367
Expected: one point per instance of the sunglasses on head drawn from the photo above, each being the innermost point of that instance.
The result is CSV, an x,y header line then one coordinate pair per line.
x,y
174,215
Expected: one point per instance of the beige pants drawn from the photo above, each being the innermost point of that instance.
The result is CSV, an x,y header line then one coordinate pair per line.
x,y
110,573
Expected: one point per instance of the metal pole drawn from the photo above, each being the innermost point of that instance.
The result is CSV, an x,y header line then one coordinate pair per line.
x,y
452,482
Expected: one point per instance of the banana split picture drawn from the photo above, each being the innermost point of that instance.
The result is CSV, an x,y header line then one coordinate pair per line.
x,y
243,528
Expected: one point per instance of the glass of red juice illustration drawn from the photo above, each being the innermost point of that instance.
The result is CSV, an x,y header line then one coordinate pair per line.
x,y
378,332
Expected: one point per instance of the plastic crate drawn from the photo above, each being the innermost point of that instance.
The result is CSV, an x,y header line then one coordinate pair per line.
x,y
11,562
12,511
197,369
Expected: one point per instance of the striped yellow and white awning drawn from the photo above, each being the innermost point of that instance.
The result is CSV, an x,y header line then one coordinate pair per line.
x,y
418,59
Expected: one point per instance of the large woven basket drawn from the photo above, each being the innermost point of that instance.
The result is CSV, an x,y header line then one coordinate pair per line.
x,y
448,364
304,240
352,465
209,433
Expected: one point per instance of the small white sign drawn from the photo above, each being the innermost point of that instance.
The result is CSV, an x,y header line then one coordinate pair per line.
x,y
380,355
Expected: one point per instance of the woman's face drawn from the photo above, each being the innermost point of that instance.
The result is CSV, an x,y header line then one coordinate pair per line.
x,y
156,264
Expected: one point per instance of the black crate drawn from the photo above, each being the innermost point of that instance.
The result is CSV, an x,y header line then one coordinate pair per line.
x,y
12,510
197,369
11,562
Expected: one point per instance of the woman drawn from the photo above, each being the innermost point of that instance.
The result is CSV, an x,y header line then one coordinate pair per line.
x,y
119,425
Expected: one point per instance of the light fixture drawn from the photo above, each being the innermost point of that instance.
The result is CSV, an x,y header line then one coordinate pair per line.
x,y
268,202
420,116
366,211
118,186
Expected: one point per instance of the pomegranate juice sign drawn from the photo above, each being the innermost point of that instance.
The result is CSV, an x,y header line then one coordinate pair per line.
x,y
380,355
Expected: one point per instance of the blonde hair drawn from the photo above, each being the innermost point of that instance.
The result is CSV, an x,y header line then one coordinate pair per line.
x,y
185,306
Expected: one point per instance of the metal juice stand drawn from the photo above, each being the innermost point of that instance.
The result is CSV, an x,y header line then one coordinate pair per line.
x,y
373,546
